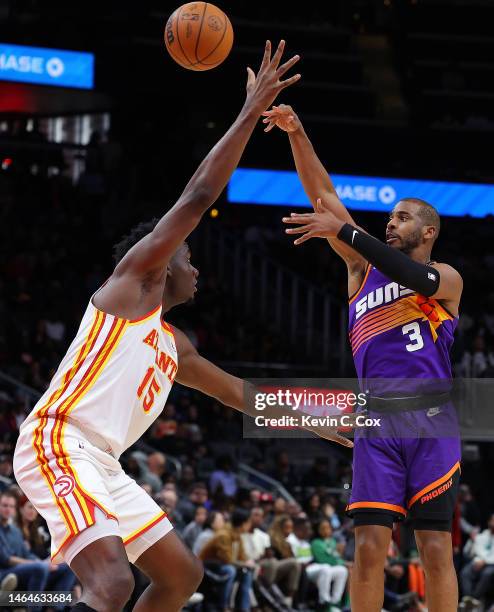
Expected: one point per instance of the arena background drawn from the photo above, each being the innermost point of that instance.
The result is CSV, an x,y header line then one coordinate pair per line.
x,y
390,88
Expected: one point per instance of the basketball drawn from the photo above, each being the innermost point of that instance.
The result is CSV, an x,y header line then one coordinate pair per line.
x,y
198,36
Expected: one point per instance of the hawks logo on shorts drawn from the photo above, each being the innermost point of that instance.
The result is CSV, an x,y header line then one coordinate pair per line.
x,y
64,485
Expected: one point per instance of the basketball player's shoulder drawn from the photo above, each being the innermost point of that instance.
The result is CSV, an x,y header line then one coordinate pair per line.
x,y
446,270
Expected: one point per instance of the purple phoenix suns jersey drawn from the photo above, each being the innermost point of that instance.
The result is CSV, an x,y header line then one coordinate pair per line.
x,y
396,333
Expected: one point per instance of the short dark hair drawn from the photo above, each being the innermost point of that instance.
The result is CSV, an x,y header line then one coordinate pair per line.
x,y
427,213
239,517
133,237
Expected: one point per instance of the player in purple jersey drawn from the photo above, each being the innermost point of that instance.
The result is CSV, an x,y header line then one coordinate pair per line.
x,y
402,315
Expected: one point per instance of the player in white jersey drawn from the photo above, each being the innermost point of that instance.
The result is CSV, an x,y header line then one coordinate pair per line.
x,y
112,384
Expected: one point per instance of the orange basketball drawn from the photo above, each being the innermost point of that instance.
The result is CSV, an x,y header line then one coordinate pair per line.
x,y
199,36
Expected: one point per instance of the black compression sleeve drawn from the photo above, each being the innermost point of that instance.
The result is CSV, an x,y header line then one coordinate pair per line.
x,y
393,263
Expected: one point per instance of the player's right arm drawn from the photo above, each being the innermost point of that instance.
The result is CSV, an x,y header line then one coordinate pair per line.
x,y
315,180
146,262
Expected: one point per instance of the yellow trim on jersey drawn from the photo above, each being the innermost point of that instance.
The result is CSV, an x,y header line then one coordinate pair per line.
x,y
131,537
37,442
144,317
85,385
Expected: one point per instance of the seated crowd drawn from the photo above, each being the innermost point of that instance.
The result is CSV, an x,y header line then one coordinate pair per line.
x,y
260,550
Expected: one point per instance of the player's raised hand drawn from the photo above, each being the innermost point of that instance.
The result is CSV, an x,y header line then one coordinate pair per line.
x,y
321,224
263,88
282,116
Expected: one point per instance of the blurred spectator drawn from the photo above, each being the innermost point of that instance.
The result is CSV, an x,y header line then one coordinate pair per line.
x,y
469,513
313,508
285,573
281,528
321,574
152,469
167,499
198,496
226,554
6,480
223,480
477,577
194,528
214,523
283,470
319,473
33,574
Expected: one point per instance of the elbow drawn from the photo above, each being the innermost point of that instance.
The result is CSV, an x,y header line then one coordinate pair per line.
x,y
198,199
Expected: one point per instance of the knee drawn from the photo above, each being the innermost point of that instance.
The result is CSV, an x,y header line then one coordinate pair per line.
x,y
229,570
435,555
39,569
368,553
113,588
195,574
185,581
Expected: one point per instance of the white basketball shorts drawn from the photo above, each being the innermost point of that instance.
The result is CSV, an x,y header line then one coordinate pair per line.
x,y
82,492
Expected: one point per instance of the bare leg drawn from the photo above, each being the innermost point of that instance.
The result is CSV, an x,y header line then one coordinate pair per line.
x,y
175,574
104,572
441,584
367,579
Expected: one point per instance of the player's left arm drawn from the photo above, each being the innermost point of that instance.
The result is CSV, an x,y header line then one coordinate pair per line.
x,y
198,373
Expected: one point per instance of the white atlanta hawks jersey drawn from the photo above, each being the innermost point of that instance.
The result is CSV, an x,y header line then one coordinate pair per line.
x,y
113,381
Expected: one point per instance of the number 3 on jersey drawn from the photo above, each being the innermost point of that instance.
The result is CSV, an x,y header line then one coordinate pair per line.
x,y
150,383
412,330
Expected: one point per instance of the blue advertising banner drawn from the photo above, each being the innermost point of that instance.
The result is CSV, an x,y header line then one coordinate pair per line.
x,y
283,188
46,66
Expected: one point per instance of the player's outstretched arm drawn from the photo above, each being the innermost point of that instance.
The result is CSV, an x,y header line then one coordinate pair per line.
x,y
314,177
154,251
439,281
198,373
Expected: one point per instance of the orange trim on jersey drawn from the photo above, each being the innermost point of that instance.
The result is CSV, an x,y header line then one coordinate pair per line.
x,y
406,317
66,541
355,295
167,328
146,316
59,453
41,458
85,384
49,477
380,505
384,318
382,311
434,484
144,528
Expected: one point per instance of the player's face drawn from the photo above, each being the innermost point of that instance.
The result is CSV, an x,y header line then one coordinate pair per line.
x,y
404,230
182,280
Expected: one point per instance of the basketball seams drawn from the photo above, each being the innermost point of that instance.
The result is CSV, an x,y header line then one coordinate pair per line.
x,y
201,61
200,30
178,36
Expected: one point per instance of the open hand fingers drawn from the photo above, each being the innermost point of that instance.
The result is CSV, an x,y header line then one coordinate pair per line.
x,y
277,56
287,65
290,81
267,56
297,230
295,218
305,237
